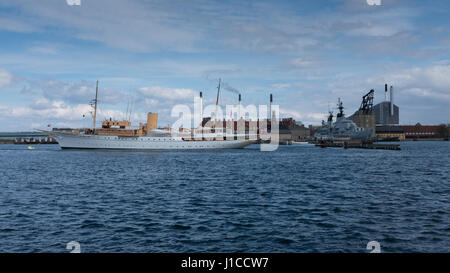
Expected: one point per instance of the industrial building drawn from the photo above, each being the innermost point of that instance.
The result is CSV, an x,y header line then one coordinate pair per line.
x,y
420,131
365,116
386,112
293,130
390,133
412,132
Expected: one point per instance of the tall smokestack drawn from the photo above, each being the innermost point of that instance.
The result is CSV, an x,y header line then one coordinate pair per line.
x,y
392,100
239,110
270,108
201,109
385,92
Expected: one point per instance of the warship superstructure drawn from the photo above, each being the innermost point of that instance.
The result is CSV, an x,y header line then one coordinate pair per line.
x,y
342,129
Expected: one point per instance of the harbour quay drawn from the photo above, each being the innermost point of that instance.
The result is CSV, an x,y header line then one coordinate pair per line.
x,y
26,138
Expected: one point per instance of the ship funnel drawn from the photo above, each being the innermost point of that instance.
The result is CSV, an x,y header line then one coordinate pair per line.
x,y
152,122
392,100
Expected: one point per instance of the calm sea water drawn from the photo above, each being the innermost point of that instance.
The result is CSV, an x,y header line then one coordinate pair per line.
x,y
297,199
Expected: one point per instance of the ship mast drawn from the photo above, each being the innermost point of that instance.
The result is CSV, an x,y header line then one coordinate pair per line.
x,y
217,103
95,107
341,109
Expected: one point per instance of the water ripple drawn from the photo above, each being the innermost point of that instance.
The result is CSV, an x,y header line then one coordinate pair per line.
x,y
298,199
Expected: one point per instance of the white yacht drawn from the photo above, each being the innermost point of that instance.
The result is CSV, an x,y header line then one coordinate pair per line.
x,y
119,135
94,141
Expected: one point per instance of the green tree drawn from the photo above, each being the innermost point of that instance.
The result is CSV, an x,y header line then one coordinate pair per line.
x,y
443,131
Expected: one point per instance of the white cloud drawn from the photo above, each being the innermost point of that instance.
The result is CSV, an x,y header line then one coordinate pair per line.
x,y
301,63
72,92
73,2
49,109
273,38
316,116
153,25
6,78
280,86
58,113
430,81
168,93
290,113
375,30
44,50
300,38
151,102
427,93
190,26
15,25
300,116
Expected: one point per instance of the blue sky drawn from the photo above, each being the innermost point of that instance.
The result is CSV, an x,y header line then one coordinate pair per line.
x,y
161,53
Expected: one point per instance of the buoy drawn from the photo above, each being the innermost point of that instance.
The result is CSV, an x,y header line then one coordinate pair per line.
x,y
30,148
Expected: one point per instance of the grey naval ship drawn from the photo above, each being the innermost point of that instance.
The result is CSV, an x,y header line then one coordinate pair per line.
x,y
343,129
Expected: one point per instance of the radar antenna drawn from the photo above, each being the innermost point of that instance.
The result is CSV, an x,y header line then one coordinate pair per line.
x,y
341,108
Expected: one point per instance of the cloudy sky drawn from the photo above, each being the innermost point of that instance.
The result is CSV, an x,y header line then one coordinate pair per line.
x,y
156,54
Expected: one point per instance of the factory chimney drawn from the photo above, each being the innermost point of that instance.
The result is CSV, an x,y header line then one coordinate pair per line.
x,y
392,101
201,109
239,110
270,108
386,92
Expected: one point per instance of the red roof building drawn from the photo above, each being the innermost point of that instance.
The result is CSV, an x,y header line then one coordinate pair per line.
x,y
420,131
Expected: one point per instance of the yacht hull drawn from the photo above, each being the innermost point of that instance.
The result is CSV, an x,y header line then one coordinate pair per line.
x,y
80,141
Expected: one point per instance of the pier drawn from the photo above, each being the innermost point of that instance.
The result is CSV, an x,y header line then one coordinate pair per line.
x,y
346,145
26,138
